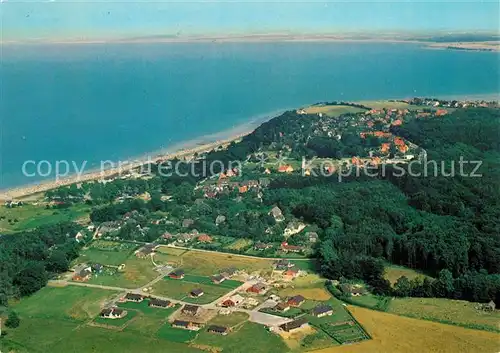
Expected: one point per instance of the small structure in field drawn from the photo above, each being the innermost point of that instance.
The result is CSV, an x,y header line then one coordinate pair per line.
x,y
177,274
132,297
159,303
219,330
196,293
191,310
322,310
113,313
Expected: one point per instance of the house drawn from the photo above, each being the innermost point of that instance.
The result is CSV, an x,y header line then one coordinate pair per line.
x,y
218,279
294,325
285,168
385,147
277,214
491,306
204,238
79,237
259,288
228,272
97,268
132,297
188,222
296,301
322,310
167,236
82,273
312,236
353,290
282,307
219,330
196,293
146,250
235,300
291,273
293,228
113,313
262,246
220,219
285,247
282,265
242,189
267,171
191,310
441,112
186,325
177,274
159,303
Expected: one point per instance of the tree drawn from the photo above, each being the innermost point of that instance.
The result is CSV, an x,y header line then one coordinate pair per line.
x,y
57,262
443,287
13,320
402,287
31,279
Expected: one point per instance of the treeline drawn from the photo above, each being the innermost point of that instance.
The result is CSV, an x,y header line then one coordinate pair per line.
x,y
29,259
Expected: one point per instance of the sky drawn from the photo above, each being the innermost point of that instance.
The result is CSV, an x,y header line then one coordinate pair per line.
x,y
23,20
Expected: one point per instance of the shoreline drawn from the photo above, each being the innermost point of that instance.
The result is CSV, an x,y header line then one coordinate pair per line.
x,y
187,149
180,150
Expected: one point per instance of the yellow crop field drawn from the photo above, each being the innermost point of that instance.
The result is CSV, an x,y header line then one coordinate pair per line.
x,y
209,263
308,293
396,334
453,311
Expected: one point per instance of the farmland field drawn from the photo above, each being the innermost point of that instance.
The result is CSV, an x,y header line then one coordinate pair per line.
x,y
210,263
31,216
394,334
456,312
179,289
240,244
252,337
171,334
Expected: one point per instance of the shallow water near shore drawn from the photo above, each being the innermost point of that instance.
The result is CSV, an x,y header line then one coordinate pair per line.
x,y
94,102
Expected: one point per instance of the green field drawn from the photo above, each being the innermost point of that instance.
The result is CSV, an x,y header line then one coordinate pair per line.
x,y
394,272
333,110
228,283
371,301
112,257
249,337
230,320
179,289
456,312
31,216
171,334
69,303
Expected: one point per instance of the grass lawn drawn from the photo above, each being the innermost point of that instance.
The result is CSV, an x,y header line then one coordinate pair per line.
x,y
104,257
230,320
291,313
137,273
179,289
309,265
394,334
171,334
116,322
390,105
240,244
455,312
149,320
210,263
63,303
393,272
31,216
87,339
231,284
372,301
170,251
333,110
250,337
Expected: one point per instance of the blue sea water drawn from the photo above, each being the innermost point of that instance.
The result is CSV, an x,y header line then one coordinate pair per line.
x,y
98,102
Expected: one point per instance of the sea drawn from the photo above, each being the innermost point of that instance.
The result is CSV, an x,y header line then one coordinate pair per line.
x,y
97,102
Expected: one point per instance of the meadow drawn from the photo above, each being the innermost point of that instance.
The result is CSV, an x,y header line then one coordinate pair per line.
x,y
394,334
210,263
30,216
393,273
332,110
249,337
456,312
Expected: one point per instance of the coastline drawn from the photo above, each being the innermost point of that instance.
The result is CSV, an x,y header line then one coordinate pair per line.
x,y
186,149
